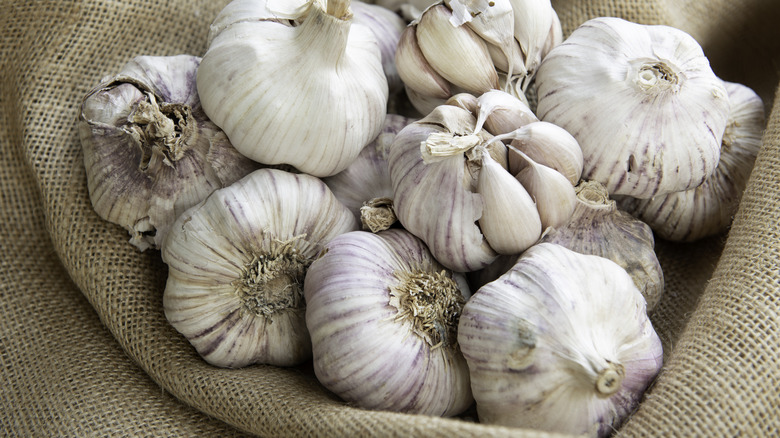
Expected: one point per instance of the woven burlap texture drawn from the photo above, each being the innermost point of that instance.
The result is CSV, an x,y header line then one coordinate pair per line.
x,y
85,349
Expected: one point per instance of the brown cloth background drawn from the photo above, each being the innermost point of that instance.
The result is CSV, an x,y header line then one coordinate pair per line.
x,y
85,349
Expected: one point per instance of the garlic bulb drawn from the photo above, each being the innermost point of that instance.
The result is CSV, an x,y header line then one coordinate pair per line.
x,y
365,186
149,150
237,263
284,90
383,314
387,27
709,208
598,227
641,100
439,164
560,343
473,47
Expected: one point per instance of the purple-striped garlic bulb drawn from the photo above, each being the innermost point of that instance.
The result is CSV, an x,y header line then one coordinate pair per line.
x,y
149,149
237,263
709,208
383,317
641,100
561,343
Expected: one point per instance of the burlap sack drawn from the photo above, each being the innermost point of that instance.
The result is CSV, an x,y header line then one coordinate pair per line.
x,y
85,349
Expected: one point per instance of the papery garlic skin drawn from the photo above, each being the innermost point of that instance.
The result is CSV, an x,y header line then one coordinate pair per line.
x,y
382,314
387,27
709,208
310,94
641,100
236,264
150,152
560,343
598,227
367,180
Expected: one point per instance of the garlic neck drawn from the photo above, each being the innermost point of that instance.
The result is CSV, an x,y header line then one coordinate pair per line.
x,y
323,34
593,195
656,76
377,214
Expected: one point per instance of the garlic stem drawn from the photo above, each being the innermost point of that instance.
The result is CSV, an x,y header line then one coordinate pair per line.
x,y
338,8
377,214
610,379
325,34
447,144
595,195
164,130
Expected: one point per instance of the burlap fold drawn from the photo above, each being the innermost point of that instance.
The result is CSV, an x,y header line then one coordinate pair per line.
x,y
85,349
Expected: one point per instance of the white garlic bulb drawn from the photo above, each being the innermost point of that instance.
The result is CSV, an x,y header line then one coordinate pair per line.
x,y
285,90
365,186
598,227
560,343
237,263
709,208
387,27
149,150
641,100
383,315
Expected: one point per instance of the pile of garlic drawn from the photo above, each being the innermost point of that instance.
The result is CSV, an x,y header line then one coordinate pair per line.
x,y
366,187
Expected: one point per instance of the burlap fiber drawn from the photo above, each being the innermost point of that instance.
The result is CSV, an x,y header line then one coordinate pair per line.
x,y
85,349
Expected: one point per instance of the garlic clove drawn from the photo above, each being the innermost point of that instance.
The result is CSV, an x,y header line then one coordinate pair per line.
x,y
708,209
641,100
555,36
547,144
467,101
598,227
553,193
254,85
494,22
500,112
560,343
533,20
414,69
510,220
236,264
382,314
149,150
457,53
365,186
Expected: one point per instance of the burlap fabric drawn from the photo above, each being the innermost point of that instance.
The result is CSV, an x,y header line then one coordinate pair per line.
x,y
85,349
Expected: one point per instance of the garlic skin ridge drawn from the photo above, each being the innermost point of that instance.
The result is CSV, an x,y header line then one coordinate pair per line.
x,y
260,78
236,264
150,151
641,100
560,343
382,314
709,208
598,227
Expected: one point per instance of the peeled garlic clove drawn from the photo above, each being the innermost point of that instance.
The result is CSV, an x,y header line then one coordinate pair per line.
x,y
444,184
560,343
641,100
415,71
500,112
149,150
553,193
365,186
598,227
510,221
387,27
237,262
546,144
259,79
457,53
709,208
383,314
